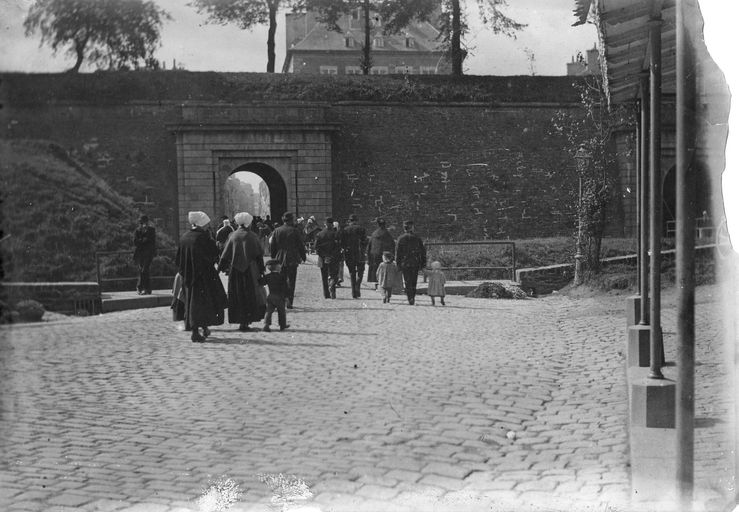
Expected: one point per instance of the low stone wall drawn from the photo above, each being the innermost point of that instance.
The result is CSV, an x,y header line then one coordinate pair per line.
x,y
544,280
66,297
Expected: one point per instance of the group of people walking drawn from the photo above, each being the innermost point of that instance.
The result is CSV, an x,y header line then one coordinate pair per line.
x,y
199,297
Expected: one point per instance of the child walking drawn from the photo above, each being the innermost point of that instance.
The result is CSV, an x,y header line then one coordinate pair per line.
x,y
436,281
388,276
276,299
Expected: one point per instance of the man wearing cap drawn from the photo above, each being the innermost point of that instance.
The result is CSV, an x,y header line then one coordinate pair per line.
x,y
243,259
205,298
288,248
410,256
354,246
144,242
328,248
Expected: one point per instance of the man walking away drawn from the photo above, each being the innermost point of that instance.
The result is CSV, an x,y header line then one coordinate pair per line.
x,y
288,249
354,244
223,232
145,248
410,257
328,249
380,241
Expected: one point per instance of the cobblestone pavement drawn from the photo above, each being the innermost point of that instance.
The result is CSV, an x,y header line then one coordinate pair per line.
x,y
479,405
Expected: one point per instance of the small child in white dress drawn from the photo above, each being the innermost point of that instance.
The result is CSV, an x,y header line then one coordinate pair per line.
x,y
436,282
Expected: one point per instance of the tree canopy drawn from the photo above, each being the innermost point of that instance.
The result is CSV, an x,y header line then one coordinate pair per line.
x,y
112,34
246,14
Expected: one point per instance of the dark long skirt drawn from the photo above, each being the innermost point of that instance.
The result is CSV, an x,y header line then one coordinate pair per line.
x,y
244,305
372,264
204,302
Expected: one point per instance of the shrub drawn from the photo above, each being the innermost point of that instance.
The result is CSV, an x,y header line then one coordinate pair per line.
x,y
30,310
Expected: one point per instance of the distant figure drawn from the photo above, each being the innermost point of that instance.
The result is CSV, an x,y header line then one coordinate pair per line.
x,y
410,256
328,248
277,285
223,232
388,277
145,248
205,298
243,258
287,247
380,241
354,246
436,280
311,230
340,271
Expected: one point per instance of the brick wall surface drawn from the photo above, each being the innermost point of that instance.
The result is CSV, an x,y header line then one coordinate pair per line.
x,y
460,170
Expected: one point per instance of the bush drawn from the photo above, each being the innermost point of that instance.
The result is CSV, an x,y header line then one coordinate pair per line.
x,y
30,310
497,291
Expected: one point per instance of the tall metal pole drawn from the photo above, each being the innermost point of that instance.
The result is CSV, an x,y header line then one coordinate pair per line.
x,y
655,182
644,204
637,196
685,249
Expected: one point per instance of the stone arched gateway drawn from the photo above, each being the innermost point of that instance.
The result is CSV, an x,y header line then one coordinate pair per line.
x,y
213,141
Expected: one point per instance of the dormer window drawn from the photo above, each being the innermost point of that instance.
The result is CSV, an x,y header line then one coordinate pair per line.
x,y
410,42
349,42
379,42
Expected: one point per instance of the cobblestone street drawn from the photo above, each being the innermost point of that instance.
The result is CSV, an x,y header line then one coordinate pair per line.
x,y
482,404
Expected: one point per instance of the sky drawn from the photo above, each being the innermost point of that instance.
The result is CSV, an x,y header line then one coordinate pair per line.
x,y
199,46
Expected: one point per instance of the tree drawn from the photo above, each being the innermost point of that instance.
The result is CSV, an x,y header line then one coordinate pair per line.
x,y
588,136
454,26
247,14
113,34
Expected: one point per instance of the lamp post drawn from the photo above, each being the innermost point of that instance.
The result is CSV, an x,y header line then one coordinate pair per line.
x,y
583,157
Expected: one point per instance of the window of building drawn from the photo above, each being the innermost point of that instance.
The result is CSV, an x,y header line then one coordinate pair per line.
x,y
404,70
356,14
329,70
410,42
427,70
352,70
349,42
379,70
379,42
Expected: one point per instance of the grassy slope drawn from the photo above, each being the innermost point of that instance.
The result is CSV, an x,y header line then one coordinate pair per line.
x,y
56,215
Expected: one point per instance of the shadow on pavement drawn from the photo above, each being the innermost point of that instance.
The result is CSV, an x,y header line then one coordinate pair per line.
x,y
241,341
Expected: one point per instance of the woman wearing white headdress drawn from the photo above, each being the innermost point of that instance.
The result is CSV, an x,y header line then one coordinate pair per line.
x,y
243,258
205,298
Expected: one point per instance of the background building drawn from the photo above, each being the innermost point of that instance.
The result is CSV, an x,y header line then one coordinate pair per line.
x,y
588,65
313,48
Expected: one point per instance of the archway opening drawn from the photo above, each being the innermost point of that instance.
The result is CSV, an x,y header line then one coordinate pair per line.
x,y
255,188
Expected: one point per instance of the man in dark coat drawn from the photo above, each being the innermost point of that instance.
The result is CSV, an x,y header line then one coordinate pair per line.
x,y
410,256
144,242
354,246
328,248
288,248
223,232
379,242
205,299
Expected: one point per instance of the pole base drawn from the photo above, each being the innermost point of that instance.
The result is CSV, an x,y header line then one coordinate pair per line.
x,y
633,310
652,401
637,348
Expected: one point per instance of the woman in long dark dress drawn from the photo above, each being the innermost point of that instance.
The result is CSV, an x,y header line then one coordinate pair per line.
x,y
243,258
380,241
205,298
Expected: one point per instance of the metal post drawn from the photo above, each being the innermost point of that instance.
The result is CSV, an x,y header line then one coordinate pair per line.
x,y
644,201
655,218
637,196
685,249
578,253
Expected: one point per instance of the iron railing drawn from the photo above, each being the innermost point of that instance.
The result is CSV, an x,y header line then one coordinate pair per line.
x,y
104,281
474,272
